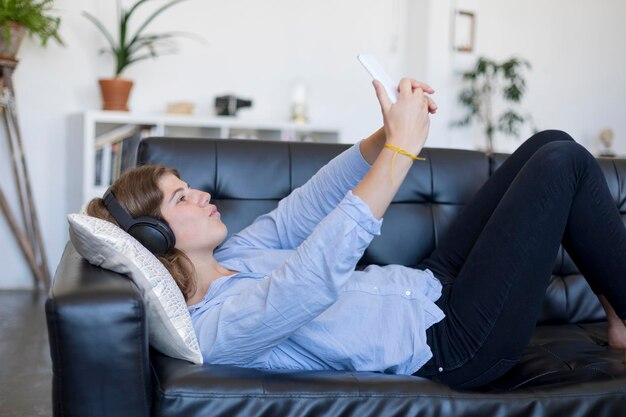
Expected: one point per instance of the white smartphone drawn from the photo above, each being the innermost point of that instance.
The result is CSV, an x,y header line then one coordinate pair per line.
x,y
378,73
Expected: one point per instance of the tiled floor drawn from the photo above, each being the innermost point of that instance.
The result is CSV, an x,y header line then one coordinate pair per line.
x,y
25,367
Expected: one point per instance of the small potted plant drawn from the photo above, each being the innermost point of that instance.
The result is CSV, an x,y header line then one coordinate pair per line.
x,y
19,17
128,49
487,80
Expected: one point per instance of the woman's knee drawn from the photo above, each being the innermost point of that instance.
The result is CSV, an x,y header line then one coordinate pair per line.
x,y
552,135
539,140
564,153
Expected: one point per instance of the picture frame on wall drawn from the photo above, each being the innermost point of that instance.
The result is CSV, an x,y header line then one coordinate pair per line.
x,y
464,31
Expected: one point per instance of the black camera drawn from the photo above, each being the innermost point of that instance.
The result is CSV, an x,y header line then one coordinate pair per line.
x,y
228,105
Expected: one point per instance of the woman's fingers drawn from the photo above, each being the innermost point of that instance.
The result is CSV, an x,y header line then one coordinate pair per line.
x,y
420,88
427,89
432,106
407,87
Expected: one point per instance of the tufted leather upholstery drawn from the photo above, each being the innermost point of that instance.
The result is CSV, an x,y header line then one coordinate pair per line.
x,y
97,331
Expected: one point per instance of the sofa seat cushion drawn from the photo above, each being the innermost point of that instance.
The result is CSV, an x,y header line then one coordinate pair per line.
x,y
566,370
566,355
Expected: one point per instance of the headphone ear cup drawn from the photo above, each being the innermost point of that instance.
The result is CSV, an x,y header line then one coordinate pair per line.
x,y
154,234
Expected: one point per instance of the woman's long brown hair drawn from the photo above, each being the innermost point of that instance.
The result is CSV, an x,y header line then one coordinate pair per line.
x,y
137,191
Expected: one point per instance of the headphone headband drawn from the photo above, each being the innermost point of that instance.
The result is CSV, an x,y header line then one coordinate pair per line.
x,y
117,211
153,233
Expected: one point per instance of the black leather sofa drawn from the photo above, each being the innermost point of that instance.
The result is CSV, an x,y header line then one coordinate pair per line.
x,y
103,365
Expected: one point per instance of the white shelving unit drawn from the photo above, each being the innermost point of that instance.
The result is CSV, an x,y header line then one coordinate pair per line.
x,y
96,129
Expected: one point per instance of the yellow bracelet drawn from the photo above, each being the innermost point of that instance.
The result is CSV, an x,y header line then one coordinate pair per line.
x,y
403,152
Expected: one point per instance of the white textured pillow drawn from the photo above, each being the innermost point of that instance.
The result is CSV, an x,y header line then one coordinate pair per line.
x,y
169,324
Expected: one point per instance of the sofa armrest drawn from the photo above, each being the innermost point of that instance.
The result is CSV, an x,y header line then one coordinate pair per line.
x,y
98,342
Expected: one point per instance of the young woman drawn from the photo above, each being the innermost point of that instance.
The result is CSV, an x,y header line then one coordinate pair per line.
x,y
283,292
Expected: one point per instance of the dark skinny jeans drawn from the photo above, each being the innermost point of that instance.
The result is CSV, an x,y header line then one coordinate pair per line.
x,y
495,259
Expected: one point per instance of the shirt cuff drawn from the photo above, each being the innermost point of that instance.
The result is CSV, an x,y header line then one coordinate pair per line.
x,y
358,162
360,212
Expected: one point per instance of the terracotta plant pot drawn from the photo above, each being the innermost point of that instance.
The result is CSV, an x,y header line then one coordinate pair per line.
x,y
115,93
8,49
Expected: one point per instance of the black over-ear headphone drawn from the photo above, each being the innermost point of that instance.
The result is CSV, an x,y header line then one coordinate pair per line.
x,y
153,233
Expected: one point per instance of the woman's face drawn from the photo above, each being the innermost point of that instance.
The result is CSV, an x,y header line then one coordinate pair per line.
x,y
195,223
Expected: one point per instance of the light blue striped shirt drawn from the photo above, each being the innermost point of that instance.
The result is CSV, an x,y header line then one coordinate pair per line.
x,y
297,302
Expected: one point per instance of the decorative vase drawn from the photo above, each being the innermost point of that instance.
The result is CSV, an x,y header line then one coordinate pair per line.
x,y
9,48
115,93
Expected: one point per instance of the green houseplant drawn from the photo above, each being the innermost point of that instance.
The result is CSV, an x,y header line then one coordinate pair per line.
x,y
19,17
129,48
486,82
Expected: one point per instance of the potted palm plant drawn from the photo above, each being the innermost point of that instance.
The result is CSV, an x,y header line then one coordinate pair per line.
x,y
487,82
19,17
128,49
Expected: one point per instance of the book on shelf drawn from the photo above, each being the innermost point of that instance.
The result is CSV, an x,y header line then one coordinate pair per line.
x,y
115,135
98,167
116,151
128,157
116,160
102,166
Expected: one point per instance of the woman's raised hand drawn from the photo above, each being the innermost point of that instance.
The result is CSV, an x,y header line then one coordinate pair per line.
x,y
407,121
406,126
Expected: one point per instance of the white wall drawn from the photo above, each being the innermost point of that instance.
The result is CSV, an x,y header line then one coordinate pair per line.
x,y
261,49
577,49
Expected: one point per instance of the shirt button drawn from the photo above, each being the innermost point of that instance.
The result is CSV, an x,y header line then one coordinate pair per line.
x,y
375,288
407,293
440,369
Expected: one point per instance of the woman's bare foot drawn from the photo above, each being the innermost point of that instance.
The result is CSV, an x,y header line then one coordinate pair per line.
x,y
617,334
616,328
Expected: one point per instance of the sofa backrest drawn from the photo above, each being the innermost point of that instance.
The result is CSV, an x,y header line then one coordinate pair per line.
x,y
247,178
